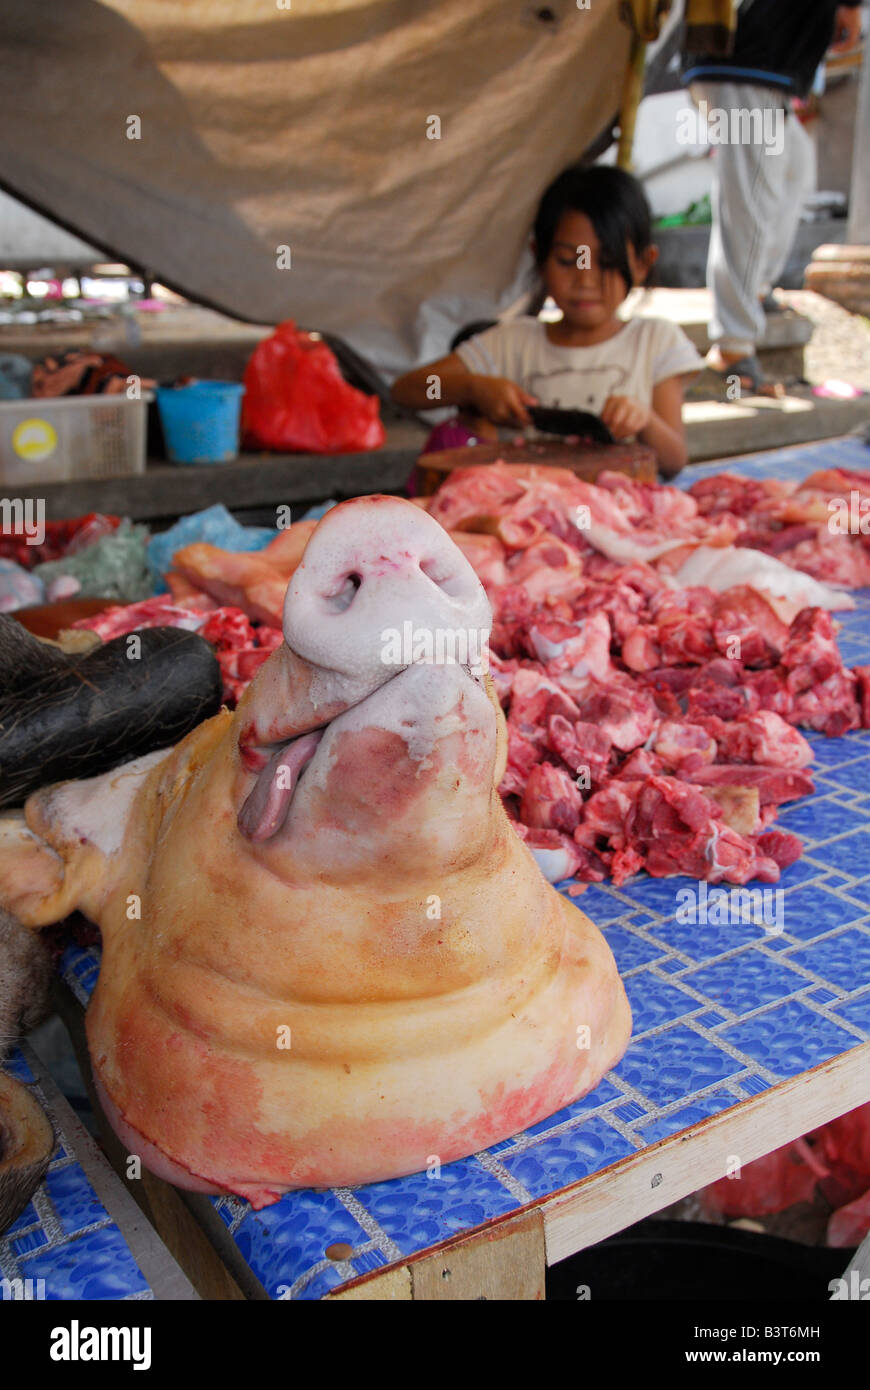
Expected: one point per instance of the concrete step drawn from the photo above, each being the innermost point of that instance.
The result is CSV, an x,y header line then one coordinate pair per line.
x,y
780,352
182,340
692,310
718,429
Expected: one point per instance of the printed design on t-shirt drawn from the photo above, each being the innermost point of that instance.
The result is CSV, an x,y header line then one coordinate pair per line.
x,y
577,388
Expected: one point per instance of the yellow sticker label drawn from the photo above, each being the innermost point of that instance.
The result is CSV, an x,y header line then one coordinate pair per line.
x,y
34,440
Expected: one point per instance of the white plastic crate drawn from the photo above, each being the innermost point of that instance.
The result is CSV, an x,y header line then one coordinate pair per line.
x,y
69,437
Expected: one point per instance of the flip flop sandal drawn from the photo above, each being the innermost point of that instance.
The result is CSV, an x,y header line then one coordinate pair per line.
x,y
752,379
771,305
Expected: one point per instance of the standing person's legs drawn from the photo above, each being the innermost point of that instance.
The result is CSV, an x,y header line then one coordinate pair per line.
x,y
799,177
748,196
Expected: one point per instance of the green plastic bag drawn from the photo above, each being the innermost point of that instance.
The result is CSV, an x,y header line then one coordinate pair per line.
x,y
115,566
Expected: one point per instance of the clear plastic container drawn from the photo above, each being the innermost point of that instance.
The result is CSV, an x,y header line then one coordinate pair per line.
x,y
57,440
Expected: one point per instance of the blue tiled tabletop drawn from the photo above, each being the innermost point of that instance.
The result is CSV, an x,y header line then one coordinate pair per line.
x,y
791,463
65,1237
721,1012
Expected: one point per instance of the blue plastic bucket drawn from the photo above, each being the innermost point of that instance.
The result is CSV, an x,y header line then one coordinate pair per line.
x,y
201,421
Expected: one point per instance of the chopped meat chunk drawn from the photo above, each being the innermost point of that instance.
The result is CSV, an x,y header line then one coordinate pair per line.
x,y
655,651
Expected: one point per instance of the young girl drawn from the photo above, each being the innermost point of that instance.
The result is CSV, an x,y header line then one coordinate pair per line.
x,y
592,244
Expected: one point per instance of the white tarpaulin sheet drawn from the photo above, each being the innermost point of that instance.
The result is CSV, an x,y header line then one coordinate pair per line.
x,y
276,158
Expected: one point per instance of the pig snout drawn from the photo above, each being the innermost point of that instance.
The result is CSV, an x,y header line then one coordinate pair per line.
x,y
381,588
373,566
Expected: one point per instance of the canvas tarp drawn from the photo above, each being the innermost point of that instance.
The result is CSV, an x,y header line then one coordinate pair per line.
x,y
305,124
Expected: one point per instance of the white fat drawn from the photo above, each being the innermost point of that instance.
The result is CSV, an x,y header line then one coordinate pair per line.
x,y
537,682
624,549
554,864
545,650
96,810
722,568
711,847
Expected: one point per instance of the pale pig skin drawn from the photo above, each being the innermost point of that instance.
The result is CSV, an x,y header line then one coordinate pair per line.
x,y
314,909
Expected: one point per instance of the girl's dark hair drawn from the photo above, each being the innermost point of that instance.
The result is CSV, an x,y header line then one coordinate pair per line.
x,y
471,330
615,204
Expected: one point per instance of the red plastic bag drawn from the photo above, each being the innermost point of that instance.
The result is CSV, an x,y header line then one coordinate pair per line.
x,y
297,401
768,1184
61,538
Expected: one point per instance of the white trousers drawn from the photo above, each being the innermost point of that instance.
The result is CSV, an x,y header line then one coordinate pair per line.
x,y
758,193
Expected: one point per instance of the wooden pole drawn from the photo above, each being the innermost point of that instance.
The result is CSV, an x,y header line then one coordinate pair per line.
x,y
632,91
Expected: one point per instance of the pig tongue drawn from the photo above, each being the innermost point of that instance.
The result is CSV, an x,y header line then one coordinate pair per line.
x,y
265,810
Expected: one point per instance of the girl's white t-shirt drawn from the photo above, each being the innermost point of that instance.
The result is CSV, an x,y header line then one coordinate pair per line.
x,y
631,363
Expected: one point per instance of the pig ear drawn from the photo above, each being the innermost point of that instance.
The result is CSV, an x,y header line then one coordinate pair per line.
x,y
60,853
34,884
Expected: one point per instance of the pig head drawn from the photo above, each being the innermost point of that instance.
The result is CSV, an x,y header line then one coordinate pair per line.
x,y
327,957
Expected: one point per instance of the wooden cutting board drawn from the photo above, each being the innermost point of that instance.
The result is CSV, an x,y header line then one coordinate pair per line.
x,y
48,619
586,460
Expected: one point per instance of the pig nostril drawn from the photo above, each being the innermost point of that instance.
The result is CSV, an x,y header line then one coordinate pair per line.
x,y
344,596
444,576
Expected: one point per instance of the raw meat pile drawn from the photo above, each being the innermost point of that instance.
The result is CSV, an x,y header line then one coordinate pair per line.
x,y
806,525
234,600
240,647
254,582
652,648
652,666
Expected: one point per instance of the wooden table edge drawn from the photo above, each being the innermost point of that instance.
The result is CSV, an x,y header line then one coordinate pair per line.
x,y
635,1187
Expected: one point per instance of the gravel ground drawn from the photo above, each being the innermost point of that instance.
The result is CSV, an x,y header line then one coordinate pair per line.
x,y
840,346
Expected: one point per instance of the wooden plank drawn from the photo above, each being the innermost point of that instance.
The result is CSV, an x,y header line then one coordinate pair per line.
x,y
391,1285
252,480
504,1260
584,460
627,1191
181,1234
